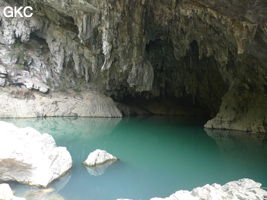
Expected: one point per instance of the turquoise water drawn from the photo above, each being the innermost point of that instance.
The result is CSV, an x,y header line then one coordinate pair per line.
x,y
158,156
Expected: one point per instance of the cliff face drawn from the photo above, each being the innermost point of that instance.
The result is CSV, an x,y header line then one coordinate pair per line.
x,y
211,53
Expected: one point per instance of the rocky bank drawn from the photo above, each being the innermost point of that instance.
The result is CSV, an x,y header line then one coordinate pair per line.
x,y
29,157
245,189
23,103
209,54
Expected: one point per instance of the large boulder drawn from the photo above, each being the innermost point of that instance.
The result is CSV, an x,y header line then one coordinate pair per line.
x,y
99,157
245,189
6,193
29,157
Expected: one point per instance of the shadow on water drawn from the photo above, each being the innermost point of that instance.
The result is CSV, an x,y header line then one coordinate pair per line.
x,y
158,156
243,152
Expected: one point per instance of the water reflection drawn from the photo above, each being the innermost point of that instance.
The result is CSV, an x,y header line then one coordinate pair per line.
x,y
248,150
88,128
35,193
157,156
99,169
236,143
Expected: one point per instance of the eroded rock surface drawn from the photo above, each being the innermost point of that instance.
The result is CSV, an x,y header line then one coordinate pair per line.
x,y
29,157
208,53
23,103
245,189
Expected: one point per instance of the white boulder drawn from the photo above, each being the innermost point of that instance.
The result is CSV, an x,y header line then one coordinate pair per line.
x,y
245,189
29,157
7,194
98,157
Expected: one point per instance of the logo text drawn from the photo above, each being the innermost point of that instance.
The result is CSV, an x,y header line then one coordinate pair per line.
x,y
11,12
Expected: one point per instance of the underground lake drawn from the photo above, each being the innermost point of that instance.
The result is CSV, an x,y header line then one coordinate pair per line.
x,y
158,156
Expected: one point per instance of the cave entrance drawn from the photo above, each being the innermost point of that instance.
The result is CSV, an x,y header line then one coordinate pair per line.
x,y
188,85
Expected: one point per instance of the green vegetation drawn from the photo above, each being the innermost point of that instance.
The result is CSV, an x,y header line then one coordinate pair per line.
x,y
78,90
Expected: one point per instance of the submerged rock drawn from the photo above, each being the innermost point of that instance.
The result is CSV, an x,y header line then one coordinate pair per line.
x,y
7,194
29,157
37,193
43,194
245,189
98,157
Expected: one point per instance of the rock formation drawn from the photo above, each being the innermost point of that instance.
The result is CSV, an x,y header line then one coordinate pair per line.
x,y
29,157
98,157
24,103
245,189
205,53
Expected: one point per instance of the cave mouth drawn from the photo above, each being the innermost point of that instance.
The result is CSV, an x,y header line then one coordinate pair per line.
x,y
162,106
185,86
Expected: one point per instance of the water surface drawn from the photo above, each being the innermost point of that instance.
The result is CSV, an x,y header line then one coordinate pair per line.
x,y
158,156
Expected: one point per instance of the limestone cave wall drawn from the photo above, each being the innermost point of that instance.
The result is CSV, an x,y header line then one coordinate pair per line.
x,y
211,53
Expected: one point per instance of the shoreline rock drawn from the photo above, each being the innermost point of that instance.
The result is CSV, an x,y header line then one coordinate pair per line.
x,y
29,157
245,189
19,103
